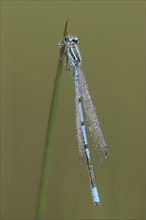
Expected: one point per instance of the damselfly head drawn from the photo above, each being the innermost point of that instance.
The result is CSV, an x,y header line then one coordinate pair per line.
x,y
71,40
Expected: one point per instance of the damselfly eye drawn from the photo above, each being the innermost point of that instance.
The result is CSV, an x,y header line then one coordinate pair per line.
x,y
75,40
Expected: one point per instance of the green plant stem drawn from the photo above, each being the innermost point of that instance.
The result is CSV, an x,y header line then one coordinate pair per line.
x,y
40,209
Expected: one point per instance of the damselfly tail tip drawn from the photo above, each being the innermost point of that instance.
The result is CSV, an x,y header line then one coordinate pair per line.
x,y
97,204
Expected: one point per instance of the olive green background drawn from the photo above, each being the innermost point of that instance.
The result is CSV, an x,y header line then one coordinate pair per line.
x,y
112,47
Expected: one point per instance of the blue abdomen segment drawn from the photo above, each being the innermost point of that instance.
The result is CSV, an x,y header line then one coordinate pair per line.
x,y
88,154
95,196
84,134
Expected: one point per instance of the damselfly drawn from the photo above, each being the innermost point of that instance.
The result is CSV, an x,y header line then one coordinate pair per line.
x,y
82,95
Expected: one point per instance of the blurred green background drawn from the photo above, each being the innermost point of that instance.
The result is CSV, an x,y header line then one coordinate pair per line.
x,y
112,47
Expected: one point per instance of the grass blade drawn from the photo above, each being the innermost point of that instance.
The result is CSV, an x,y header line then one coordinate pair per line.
x,y
43,186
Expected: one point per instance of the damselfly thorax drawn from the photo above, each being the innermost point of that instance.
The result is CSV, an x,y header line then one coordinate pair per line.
x,y
72,51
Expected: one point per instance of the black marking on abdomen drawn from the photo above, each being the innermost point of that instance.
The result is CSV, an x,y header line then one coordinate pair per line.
x,y
82,123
